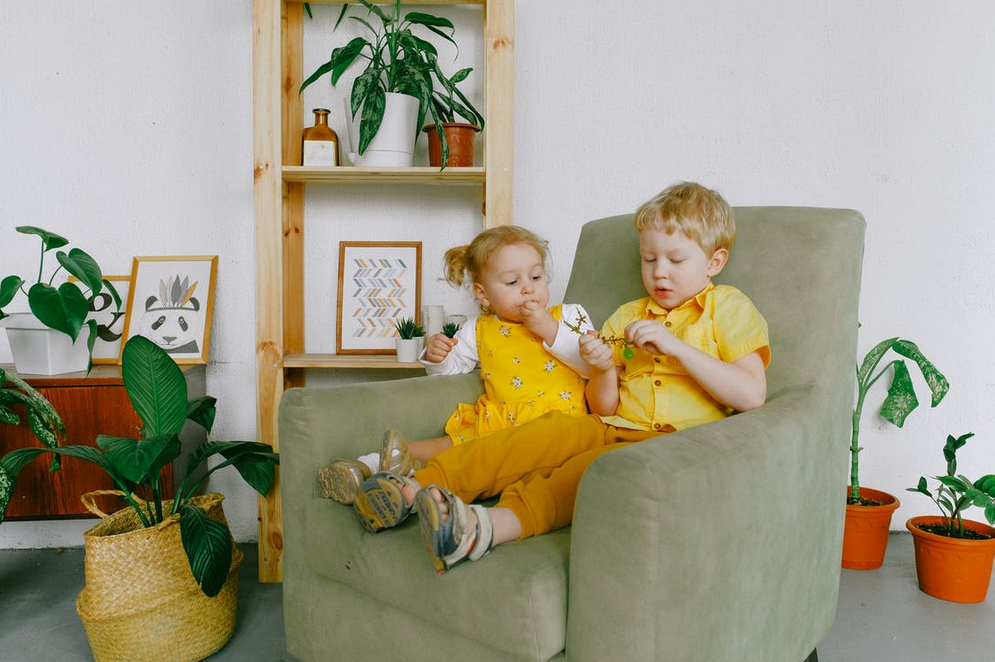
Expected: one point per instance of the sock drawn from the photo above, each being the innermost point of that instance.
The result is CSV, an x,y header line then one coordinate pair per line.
x,y
372,460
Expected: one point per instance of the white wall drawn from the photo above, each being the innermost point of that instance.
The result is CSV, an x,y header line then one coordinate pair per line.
x,y
127,127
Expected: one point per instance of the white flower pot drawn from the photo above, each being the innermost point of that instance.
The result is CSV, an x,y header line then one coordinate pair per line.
x,y
409,349
394,144
39,350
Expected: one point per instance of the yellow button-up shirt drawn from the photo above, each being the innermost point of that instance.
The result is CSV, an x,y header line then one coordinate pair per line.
x,y
656,392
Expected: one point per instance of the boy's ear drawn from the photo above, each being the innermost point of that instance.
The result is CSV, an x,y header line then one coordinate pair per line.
x,y
481,296
718,260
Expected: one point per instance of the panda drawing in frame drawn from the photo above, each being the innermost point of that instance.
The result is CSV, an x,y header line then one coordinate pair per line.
x,y
172,318
170,303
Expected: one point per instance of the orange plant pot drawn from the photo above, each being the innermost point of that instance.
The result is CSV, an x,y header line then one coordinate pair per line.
x,y
865,536
953,569
462,142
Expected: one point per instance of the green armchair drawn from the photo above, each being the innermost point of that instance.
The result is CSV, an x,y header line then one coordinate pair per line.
x,y
720,543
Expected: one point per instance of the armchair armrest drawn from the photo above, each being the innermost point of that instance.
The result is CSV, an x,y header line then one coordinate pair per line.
x,y
707,543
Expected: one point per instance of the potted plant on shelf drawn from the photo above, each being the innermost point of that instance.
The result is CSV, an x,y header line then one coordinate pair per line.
x,y
157,556
452,143
51,339
449,329
868,512
394,93
953,555
410,336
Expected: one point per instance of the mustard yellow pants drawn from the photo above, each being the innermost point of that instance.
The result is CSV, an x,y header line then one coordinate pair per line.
x,y
535,467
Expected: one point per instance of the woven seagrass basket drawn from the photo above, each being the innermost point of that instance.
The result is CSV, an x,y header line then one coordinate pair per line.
x,y
140,601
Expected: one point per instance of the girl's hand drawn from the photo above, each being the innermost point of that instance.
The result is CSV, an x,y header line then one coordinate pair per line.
x,y
539,321
652,337
438,347
595,352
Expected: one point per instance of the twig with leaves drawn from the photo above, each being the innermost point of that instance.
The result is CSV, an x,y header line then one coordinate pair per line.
x,y
611,340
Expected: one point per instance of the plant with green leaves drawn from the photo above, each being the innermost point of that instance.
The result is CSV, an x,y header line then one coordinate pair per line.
x,y
955,493
398,60
63,308
408,328
44,422
158,392
449,329
901,399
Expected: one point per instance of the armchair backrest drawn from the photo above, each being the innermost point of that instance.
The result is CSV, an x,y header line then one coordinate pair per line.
x,y
800,266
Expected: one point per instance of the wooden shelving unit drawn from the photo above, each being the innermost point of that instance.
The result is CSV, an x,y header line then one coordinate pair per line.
x,y
279,207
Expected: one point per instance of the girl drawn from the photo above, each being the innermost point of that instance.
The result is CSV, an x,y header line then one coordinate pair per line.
x,y
528,355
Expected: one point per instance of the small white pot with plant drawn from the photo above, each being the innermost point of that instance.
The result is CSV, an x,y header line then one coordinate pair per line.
x,y
410,340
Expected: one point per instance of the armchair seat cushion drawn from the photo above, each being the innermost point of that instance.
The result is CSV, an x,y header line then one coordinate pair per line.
x,y
524,582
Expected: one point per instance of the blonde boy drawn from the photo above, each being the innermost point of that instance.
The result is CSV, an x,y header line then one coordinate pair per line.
x,y
698,353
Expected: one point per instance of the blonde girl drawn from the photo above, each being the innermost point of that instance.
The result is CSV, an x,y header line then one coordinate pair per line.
x,y
528,355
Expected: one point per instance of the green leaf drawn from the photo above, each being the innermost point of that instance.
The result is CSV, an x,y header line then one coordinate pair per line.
x,y
362,87
7,483
938,384
7,415
921,487
155,385
373,109
8,289
49,240
342,58
84,267
989,511
202,411
872,358
901,399
208,547
986,484
460,75
135,459
254,461
63,309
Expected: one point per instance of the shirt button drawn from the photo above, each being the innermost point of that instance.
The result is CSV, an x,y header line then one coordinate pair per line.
x,y
657,383
666,323
657,426
656,358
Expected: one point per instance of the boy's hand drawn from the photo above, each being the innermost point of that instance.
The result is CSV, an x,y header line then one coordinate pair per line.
x,y
539,321
438,347
652,337
595,352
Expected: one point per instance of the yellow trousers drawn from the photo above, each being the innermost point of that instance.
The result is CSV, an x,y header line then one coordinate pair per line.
x,y
535,467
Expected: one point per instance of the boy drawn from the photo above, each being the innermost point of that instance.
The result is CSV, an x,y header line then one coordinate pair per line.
x,y
698,353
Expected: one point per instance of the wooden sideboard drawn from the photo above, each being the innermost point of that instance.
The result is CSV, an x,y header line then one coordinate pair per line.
x,y
89,404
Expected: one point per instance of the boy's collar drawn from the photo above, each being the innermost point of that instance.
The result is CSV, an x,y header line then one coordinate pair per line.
x,y
698,299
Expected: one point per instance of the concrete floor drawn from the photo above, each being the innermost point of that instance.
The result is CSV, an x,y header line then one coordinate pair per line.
x,y
882,615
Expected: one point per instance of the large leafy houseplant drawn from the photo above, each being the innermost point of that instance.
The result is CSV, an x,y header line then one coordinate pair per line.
x,y
158,392
901,399
956,492
64,307
398,60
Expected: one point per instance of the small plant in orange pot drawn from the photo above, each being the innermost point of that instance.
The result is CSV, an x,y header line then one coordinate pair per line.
x,y
954,556
868,512
452,143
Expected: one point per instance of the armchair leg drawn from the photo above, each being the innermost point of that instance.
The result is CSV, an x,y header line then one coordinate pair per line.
x,y
814,657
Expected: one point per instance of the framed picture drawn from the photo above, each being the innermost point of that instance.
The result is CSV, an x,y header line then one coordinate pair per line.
x,y
379,283
110,320
171,302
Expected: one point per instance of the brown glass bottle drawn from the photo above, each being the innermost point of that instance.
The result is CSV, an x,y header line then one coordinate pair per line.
x,y
319,144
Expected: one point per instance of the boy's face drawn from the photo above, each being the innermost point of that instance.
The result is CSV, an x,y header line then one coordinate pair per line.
x,y
674,266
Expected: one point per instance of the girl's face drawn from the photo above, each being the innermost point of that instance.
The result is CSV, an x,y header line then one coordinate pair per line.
x,y
513,275
674,266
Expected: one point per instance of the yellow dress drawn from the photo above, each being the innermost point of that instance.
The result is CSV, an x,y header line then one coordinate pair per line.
x,y
522,381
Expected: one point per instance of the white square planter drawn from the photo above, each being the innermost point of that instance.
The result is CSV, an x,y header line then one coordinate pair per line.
x,y
39,350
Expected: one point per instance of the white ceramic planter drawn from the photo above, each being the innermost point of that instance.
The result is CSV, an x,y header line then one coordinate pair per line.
x,y
39,350
394,144
408,350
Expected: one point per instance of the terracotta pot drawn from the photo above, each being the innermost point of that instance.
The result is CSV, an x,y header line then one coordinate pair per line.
x,y
953,569
865,536
461,138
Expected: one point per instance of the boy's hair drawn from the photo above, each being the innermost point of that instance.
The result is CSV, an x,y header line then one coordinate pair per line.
x,y
700,213
463,264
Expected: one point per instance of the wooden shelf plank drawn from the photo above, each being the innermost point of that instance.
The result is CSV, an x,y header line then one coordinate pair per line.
x,y
357,175
350,361
406,2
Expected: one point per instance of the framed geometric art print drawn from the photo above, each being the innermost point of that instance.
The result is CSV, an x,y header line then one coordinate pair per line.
x,y
379,283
